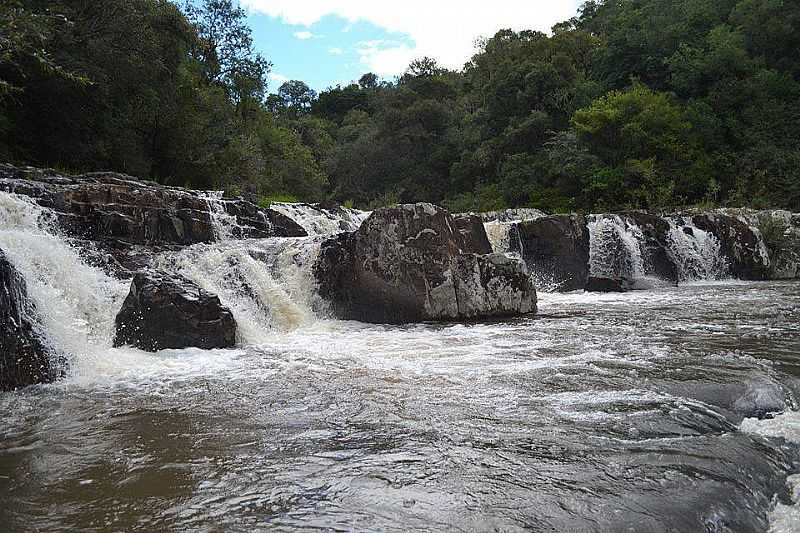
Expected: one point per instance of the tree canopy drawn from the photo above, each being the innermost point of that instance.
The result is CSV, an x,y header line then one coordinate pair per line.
x,y
630,104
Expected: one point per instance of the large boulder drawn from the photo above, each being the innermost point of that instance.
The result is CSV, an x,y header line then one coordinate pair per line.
x,y
169,311
473,233
603,284
408,264
24,358
556,250
741,244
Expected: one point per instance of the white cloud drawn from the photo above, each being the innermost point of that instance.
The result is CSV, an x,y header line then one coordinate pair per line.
x,y
335,51
303,35
443,29
278,78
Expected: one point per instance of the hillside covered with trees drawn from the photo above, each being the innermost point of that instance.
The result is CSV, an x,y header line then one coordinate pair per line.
x,y
631,104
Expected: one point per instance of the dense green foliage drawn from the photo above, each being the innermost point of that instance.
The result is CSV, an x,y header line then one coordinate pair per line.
x,y
632,104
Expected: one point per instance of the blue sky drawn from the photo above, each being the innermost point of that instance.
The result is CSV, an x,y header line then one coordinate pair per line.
x,y
329,42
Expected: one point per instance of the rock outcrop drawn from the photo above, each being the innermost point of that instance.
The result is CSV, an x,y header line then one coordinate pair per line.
x,y
555,249
169,311
24,359
781,233
408,264
657,261
115,211
599,284
473,233
745,250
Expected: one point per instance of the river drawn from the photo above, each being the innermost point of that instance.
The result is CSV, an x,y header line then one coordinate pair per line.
x,y
672,409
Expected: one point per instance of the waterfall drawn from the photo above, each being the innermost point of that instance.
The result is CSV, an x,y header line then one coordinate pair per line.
x,y
320,221
223,223
615,248
266,283
76,303
696,253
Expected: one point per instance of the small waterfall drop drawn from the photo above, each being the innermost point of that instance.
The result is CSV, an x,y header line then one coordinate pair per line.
x,y
76,303
267,283
615,248
320,221
696,253
223,223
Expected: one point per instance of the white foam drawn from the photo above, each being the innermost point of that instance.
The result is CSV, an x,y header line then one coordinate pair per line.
x,y
615,248
319,221
783,518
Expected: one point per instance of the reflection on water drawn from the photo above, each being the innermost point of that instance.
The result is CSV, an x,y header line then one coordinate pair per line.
x,y
647,411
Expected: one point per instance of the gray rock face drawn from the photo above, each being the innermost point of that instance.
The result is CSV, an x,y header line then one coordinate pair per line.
x,y
116,211
166,311
408,264
473,232
555,249
781,233
24,359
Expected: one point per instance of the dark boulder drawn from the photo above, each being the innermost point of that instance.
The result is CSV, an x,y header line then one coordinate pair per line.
x,y
406,264
556,250
473,233
743,247
600,284
24,358
168,311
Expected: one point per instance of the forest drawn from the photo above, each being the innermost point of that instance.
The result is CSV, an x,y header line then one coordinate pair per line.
x,y
631,104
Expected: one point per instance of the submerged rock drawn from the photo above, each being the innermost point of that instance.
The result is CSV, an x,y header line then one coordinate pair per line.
x,y
169,311
407,264
24,359
555,249
600,284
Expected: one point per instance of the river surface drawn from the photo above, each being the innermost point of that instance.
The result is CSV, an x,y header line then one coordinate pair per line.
x,y
665,410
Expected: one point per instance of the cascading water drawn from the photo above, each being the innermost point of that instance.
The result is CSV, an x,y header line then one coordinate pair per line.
x,y
76,303
320,221
615,248
696,253
223,223
267,283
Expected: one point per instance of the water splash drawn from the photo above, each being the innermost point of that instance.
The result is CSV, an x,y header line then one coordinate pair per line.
x,y
76,303
320,221
697,253
615,248
267,283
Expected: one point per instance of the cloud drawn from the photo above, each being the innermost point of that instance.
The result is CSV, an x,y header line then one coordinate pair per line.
x,y
303,35
443,29
278,78
335,51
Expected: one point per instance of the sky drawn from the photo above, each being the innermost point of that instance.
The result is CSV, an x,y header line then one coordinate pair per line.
x,y
330,42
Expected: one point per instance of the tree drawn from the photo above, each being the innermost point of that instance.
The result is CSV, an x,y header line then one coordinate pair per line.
x,y
225,48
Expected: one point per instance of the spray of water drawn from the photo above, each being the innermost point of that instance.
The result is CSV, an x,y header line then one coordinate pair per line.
x,y
696,253
615,247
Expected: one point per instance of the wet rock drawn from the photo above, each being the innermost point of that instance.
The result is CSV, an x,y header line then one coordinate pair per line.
x,y
168,311
24,358
473,233
555,249
741,244
109,206
781,233
406,264
657,261
601,284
